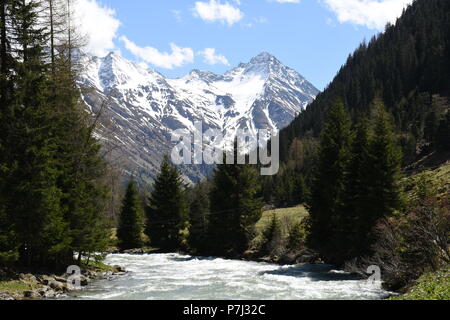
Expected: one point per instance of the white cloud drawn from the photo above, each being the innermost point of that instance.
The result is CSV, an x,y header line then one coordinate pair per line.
x,y
374,14
177,58
214,10
98,23
210,57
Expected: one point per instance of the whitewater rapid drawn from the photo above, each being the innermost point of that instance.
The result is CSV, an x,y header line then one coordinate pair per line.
x,y
181,277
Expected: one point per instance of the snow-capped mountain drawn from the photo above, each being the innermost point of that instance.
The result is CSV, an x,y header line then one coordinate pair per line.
x,y
141,108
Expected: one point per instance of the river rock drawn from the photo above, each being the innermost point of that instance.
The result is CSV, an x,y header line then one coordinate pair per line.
x,y
28,278
46,280
31,294
57,286
6,297
61,279
84,281
118,269
50,294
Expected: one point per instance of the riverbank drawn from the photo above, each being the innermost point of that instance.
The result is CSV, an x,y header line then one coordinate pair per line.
x,y
431,286
27,286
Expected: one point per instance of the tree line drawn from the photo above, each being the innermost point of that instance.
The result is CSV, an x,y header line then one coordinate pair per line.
x,y
214,217
52,192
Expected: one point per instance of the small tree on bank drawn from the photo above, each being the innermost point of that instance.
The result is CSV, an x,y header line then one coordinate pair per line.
x,y
131,224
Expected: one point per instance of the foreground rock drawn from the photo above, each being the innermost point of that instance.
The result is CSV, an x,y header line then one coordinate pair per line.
x,y
53,286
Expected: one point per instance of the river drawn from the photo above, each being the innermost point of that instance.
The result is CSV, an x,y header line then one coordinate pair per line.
x,y
181,277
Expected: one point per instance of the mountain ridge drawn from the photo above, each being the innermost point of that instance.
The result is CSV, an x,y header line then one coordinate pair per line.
x,y
145,108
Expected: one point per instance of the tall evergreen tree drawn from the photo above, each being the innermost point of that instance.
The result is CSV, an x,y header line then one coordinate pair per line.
x,y
8,243
199,209
167,209
327,192
235,208
352,231
383,170
129,232
51,195
33,195
80,163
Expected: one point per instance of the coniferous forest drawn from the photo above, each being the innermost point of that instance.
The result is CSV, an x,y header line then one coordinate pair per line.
x,y
353,159
52,191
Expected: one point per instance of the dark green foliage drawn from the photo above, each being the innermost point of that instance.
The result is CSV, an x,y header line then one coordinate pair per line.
x,y
328,187
443,133
272,236
289,188
406,66
235,208
296,239
383,168
353,230
51,193
33,194
129,232
8,242
167,210
357,183
198,217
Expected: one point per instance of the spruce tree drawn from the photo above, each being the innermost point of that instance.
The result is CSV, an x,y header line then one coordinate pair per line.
x,y
129,232
235,208
198,217
384,193
328,187
79,159
167,209
51,193
33,172
352,233
8,241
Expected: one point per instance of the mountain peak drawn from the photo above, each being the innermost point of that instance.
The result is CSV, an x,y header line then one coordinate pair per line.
x,y
264,64
264,58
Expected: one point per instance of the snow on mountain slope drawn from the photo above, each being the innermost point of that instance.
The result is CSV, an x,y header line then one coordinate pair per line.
x,y
144,108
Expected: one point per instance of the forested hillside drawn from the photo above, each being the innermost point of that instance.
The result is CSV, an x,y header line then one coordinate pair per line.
x,y
408,68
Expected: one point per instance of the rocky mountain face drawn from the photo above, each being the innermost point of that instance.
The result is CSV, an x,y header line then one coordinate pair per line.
x,y
140,108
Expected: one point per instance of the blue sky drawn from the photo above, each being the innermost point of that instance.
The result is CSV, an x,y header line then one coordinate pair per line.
x,y
313,37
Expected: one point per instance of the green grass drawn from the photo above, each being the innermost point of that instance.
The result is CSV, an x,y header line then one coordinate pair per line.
x,y
16,286
438,178
98,266
293,215
431,286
